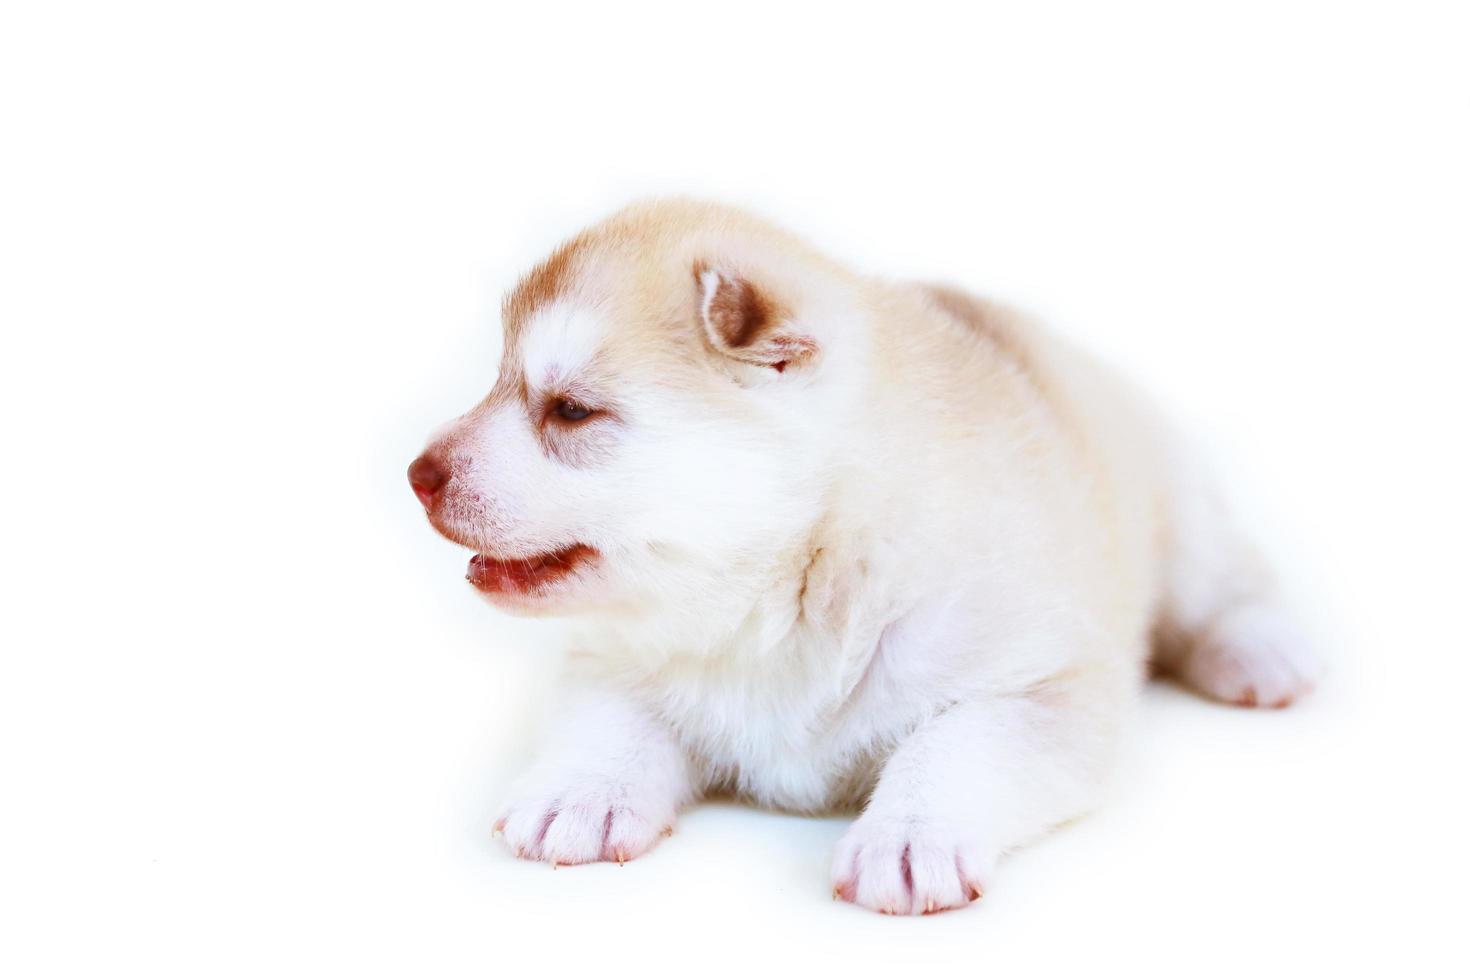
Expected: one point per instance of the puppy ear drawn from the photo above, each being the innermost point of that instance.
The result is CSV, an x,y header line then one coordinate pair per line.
x,y
746,324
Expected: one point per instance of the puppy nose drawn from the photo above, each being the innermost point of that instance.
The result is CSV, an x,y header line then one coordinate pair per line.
x,y
427,475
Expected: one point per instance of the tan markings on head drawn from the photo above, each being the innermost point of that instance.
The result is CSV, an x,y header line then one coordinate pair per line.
x,y
543,284
510,386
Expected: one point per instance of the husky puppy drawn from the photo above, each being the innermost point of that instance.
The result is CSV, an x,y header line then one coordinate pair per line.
x,y
832,541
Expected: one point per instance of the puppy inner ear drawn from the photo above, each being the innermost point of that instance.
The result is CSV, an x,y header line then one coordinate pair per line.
x,y
743,323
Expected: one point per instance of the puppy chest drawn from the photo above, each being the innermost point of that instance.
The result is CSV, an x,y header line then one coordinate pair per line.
x,y
777,747
770,763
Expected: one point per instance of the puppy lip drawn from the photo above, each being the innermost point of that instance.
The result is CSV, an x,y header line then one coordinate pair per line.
x,y
529,573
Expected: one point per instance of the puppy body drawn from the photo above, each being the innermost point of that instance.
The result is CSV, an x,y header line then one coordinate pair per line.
x,y
853,542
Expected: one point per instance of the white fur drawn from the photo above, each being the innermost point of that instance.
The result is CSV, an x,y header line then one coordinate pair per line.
x,y
562,339
919,573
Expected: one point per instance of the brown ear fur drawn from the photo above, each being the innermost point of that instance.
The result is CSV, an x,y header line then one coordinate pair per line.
x,y
743,322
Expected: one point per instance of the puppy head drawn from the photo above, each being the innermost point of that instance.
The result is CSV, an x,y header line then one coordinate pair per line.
x,y
658,433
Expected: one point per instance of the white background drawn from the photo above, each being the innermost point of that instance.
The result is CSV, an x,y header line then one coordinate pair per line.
x,y
254,723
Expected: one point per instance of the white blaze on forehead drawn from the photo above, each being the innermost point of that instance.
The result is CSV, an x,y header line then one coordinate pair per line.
x,y
559,341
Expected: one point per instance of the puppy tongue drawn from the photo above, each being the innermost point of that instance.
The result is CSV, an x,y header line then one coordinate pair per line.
x,y
502,575
520,574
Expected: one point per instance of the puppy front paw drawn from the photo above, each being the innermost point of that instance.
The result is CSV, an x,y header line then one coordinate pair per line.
x,y
582,824
908,866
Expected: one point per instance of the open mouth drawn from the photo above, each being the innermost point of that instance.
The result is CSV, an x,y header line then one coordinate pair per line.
x,y
498,576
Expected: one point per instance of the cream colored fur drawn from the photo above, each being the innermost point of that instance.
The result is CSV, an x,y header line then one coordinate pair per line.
x,y
918,569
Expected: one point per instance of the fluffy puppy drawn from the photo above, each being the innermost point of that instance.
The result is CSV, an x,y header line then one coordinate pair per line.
x,y
834,542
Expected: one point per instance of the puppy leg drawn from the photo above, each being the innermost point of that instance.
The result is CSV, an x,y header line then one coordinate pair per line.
x,y
1223,630
976,780
606,786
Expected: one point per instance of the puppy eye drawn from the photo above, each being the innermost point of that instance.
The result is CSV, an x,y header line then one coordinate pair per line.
x,y
570,411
